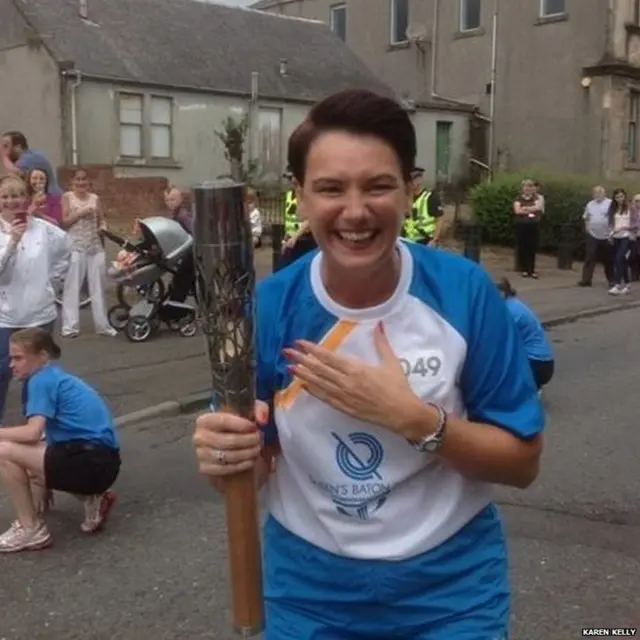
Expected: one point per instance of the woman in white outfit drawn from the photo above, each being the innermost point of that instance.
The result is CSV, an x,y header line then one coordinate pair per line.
x,y
82,217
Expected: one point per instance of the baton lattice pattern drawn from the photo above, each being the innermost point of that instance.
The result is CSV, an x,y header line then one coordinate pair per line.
x,y
225,301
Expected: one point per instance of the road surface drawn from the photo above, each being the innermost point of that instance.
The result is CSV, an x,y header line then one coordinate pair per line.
x,y
158,571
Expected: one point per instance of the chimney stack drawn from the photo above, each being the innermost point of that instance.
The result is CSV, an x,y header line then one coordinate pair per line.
x,y
84,9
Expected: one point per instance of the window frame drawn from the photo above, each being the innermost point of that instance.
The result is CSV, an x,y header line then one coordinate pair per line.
x,y
393,22
153,125
545,14
462,10
340,6
140,125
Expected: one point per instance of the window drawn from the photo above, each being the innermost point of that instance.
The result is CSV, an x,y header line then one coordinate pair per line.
x,y
469,15
131,107
161,127
270,141
399,20
552,7
632,140
339,20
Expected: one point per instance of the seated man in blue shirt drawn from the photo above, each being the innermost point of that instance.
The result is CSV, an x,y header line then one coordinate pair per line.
x,y
80,453
19,159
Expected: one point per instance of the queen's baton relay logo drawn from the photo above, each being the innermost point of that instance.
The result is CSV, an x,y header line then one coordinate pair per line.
x,y
359,457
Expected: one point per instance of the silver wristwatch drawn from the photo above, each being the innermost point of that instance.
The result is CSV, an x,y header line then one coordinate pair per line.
x,y
433,442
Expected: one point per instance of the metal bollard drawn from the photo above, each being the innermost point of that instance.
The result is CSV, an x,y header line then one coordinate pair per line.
x,y
277,237
472,241
565,247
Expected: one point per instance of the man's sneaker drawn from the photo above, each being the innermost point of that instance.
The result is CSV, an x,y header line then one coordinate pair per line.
x,y
96,511
625,290
19,538
615,290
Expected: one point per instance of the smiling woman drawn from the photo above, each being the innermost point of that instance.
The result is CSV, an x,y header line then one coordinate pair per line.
x,y
393,391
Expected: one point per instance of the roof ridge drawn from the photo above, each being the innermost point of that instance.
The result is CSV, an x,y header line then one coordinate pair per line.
x,y
172,44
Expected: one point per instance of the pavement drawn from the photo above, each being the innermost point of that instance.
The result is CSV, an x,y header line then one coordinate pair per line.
x,y
169,374
158,571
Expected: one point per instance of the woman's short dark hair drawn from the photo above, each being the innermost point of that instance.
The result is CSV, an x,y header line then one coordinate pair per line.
x,y
37,340
360,112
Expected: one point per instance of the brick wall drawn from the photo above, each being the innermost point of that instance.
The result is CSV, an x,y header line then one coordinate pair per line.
x,y
122,198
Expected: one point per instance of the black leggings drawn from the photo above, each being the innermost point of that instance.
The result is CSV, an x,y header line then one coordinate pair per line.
x,y
526,246
542,371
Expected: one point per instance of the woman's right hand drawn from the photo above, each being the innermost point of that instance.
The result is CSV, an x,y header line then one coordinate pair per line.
x,y
227,444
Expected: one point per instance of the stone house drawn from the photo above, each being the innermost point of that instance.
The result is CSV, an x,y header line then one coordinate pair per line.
x,y
136,89
567,72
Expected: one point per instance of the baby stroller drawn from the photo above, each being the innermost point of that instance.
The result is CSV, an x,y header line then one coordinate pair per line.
x,y
163,247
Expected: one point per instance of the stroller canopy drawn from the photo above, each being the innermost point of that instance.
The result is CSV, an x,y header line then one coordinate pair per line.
x,y
167,234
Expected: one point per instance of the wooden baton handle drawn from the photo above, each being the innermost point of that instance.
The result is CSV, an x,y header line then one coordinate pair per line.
x,y
245,557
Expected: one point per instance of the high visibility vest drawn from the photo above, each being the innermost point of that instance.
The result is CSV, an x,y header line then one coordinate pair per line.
x,y
419,224
291,220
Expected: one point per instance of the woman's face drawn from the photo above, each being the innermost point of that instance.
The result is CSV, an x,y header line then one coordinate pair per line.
x,y
620,197
12,198
38,181
528,189
354,198
80,181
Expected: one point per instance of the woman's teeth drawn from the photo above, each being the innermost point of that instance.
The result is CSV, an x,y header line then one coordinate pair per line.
x,y
355,236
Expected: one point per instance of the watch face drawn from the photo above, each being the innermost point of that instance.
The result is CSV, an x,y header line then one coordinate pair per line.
x,y
432,446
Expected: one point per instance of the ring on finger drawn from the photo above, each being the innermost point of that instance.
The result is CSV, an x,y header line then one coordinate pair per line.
x,y
220,457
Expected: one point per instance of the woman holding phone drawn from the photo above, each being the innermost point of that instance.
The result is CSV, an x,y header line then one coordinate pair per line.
x,y
32,254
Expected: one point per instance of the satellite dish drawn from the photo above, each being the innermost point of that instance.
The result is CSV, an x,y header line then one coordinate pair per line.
x,y
417,32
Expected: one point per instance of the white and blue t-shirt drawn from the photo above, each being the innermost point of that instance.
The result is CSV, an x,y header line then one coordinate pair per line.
x,y
349,496
73,409
534,338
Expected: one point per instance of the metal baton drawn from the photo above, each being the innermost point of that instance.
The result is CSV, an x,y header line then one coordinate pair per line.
x,y
223,256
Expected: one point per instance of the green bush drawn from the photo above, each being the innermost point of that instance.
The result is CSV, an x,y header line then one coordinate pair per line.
x,y
565,199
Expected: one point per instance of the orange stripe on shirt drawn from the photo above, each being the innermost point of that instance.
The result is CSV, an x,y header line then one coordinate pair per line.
x,y
332,341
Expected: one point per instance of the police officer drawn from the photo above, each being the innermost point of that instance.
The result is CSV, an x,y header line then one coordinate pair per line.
x,y
423,224
291,220
298,239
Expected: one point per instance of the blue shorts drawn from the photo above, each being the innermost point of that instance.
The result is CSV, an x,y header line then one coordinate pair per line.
x,y
458,591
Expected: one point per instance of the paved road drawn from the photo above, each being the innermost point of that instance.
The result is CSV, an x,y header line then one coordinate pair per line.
x,y
135,376
159,570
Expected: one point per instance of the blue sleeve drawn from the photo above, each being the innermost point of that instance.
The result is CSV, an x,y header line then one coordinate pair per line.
x,y
266,354
26,162
497,383
41,396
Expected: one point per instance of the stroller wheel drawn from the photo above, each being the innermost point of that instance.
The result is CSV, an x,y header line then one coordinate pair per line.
x,y
118,316
189,329
138,329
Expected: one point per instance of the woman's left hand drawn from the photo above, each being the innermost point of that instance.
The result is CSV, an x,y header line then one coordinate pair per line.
x,y
378,394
